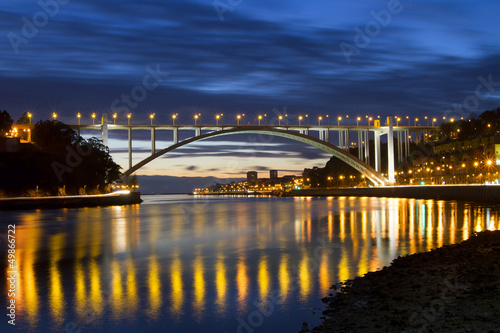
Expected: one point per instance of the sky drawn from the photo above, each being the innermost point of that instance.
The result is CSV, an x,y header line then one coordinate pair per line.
x,y
337,58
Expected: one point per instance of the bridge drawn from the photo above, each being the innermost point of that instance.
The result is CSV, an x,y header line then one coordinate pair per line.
x,y
301,133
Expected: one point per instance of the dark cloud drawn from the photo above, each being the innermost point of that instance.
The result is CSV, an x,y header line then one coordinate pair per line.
x,y
191,168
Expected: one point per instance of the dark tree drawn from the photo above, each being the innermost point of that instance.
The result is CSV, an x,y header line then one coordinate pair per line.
x,y
5,122
24,119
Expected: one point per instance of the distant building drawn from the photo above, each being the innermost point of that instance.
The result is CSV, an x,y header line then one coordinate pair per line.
x,y
252,177
273,174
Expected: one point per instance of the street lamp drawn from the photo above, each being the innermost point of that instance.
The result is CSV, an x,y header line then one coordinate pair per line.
x,y
279,120
408,120
319,120
114,118
54,116
78,116
29,117
128,117
416,119
217,120
152,116
195,119
173,119
338,121
427,120
369,120
238,117
300,118
357,121
260,118
433,121
93,118
347,116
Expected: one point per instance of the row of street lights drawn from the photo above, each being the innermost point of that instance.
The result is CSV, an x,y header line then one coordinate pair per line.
x,y
218,117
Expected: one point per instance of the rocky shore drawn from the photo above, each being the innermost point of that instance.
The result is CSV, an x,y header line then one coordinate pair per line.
x,y
455,288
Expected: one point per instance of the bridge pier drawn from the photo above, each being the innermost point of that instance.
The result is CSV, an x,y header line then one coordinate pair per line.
x,y
367,147
327,135
360,144
176,135
153,141
197,132
390,152
130,147
378,153
104,129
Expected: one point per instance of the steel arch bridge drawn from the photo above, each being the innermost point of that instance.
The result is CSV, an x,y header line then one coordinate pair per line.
x,y
365,169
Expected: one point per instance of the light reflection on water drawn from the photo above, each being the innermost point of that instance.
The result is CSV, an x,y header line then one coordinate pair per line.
x,y
184,264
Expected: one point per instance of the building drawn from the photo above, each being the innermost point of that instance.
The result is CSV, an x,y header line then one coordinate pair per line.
x,y
273,174
252,178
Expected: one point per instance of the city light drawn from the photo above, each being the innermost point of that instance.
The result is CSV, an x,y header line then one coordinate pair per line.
x,y
93,118
319,120
260,118
78,116
29,117
195,119
54,116
279,120
238,117
115,115
128,117
300,119
152,116
173,118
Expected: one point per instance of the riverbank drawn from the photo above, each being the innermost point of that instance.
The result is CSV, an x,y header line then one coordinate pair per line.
x,y
455,288
478,193
111,199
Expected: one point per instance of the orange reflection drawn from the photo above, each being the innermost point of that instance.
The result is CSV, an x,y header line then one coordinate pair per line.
x,y
154,285
220,284
304,276
177,292
263,278
284,276
198,287
242,284
56,293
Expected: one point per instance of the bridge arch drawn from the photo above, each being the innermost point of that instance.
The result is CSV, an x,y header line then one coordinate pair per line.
x,y
365,169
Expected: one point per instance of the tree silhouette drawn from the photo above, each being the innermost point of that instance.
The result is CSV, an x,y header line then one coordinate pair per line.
x,y
5,122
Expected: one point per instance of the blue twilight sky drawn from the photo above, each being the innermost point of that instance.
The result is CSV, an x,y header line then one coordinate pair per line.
x,y
360,58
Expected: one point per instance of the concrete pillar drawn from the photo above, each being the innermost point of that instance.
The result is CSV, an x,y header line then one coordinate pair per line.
x,y
378,153
321,135
176,135
104,129
341,139
327,135
348,139
407,142
197,132
360,145
153,141
390,153
306,131
367,147
130,147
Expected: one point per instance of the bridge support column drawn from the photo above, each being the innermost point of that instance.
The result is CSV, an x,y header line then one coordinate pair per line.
x,y
378,155
176,135
347,140
321,135
130,147
153,141
367,147
390,153
327,135
407,142
360,144
341,139
104,129
197,132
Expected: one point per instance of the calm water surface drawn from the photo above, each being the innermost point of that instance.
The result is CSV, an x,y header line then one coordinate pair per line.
x,y
212,264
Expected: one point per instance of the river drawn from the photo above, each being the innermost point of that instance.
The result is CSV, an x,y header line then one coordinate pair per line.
x,y
179,263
